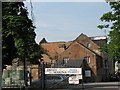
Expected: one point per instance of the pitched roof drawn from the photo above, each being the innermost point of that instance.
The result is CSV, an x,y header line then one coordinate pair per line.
x,y
99,40
46,58
53,49
89,49
82,46
70,63
86,41
80,36
76,63
43,41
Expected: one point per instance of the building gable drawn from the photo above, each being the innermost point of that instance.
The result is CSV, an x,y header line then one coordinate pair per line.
x,y
76,51
99,40
43,41
86,41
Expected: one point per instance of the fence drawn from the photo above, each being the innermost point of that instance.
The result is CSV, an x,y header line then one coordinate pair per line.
x,y
14,76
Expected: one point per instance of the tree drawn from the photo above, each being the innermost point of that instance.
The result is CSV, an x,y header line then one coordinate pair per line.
x,y
18,36
112,20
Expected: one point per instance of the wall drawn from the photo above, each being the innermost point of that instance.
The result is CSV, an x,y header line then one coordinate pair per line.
x,y
78,52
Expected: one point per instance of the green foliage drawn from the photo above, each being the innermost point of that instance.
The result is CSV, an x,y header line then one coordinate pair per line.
x,y
103,26
113,47
18,36
104,48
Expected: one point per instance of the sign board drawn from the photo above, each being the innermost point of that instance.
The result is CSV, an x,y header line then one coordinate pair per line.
x,y
74,79
79,76
63,70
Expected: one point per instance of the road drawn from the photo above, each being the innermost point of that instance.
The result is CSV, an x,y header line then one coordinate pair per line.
x,y
85,86
88,86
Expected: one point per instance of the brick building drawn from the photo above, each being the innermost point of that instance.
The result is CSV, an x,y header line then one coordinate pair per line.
x,y
83,52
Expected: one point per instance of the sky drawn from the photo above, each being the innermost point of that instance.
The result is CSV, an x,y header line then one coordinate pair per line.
x,y
65,21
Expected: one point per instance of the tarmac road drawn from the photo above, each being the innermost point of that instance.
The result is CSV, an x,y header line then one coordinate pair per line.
x,y
87,86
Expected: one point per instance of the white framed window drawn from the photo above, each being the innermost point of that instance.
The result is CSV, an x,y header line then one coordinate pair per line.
x,y
65,60
87,59
89,45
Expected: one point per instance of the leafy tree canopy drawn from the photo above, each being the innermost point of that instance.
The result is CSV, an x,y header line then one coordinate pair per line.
x,y
112,20
18,36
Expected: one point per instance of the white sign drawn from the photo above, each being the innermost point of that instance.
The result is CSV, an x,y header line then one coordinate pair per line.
x,y
79,76
63,70
73,80
87,73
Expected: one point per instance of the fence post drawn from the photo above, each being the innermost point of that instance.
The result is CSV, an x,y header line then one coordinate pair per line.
x,y
43,74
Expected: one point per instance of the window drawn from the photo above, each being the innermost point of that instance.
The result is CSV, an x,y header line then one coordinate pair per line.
x,y
87,59
89,45
65,60
87,73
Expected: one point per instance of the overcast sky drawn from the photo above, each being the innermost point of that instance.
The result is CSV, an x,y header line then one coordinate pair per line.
x,y
64,21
